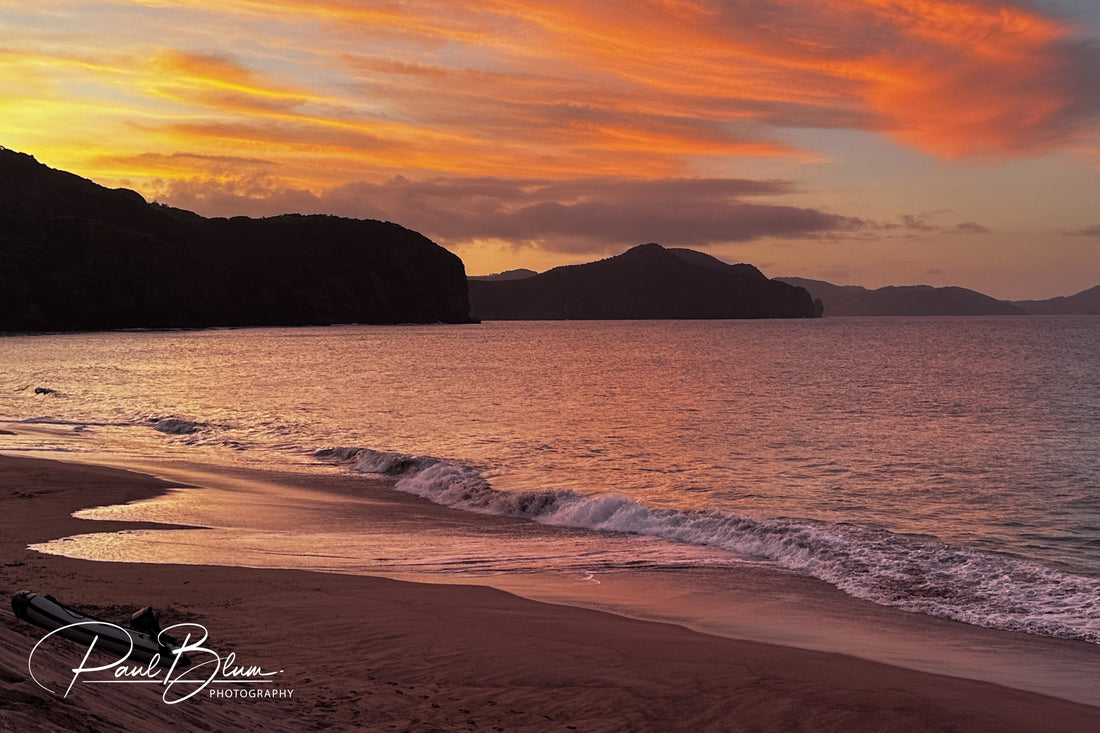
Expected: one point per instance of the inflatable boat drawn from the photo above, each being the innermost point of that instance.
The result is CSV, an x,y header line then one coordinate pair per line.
x,y
142,643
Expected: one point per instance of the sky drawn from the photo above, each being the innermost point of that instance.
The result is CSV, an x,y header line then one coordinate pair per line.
x,y
869,142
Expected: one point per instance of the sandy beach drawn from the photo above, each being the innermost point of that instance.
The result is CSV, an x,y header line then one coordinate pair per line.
x,y
379,654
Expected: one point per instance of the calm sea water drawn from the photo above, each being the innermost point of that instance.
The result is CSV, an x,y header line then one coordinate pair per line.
x,y
945,466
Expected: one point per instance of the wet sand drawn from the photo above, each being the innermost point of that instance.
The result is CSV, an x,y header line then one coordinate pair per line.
x,y
380,654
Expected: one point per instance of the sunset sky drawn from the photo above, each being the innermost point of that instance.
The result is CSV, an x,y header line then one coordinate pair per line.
x,y
871,142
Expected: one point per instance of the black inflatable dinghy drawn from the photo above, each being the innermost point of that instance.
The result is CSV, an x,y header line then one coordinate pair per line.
x,y
51,614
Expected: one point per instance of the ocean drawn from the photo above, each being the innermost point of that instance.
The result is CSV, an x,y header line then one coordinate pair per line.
x,y
945,467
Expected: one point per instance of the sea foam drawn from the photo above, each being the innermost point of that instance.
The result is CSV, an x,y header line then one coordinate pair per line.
x,y
914,573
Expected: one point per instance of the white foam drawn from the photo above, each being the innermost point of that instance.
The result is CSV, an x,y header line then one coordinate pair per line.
x,y
917,574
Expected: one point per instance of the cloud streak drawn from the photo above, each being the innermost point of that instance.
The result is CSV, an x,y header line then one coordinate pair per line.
x,y
568,87
592,215
927,222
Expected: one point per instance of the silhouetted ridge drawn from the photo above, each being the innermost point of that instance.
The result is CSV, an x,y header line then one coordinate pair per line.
x,y
928,301
904,300
925,300
645,282
77,256
710,261
520,274
1087,302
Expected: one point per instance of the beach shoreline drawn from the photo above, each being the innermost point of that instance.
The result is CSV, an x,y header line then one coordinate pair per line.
x,y
383,654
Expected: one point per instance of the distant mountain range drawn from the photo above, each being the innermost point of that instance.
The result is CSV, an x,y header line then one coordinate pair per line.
x,y
1085,302
77,256
645,282
516,301
925,300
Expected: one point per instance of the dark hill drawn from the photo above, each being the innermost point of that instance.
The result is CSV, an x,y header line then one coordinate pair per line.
x,y
646,282
908,300
521,274
925,300
1087,302
77,256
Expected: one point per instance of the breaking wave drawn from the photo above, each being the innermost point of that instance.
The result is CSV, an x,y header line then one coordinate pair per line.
x,y
913,573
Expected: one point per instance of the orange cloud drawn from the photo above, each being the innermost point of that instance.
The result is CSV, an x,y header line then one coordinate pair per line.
x,y
179,74
979,77
336,90
950,77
